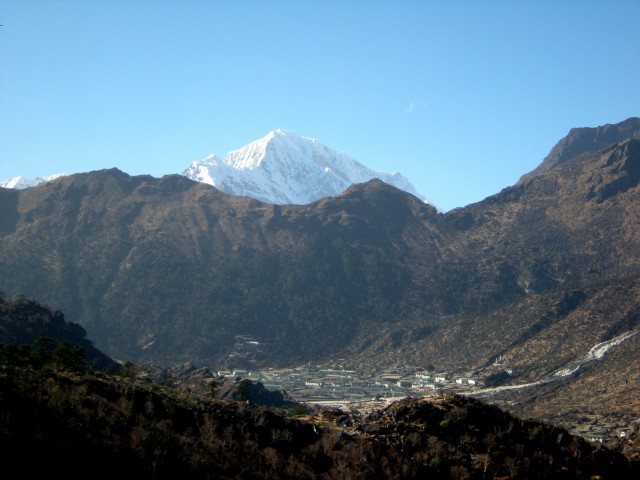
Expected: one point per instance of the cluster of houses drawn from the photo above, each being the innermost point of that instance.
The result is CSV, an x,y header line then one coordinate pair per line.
x,y
307,384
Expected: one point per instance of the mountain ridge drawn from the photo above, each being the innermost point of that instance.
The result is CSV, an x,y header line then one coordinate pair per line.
x,y
116,232
279,168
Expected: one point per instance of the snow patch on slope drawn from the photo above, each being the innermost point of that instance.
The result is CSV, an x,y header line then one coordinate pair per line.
x,y
596,353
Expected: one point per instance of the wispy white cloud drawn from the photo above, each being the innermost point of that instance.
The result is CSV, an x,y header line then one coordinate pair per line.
x,y
414,105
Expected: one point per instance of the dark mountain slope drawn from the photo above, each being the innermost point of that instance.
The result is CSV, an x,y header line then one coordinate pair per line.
x,y
171,268
573,225
567,254
539,251
582,140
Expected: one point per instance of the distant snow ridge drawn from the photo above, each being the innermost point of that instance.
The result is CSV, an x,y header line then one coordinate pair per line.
x,y
20,182
285,168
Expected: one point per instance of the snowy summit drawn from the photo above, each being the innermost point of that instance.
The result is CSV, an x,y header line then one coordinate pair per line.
x,y
285,168
20,182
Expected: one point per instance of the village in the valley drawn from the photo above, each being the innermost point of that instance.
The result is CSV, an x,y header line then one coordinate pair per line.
x,y
342,387
356,391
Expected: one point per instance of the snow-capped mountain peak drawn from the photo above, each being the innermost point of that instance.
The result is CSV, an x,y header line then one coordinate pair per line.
x,y
253,154
283,167
20,182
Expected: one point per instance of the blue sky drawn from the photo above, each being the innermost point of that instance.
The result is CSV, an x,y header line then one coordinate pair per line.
x,y
462,97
